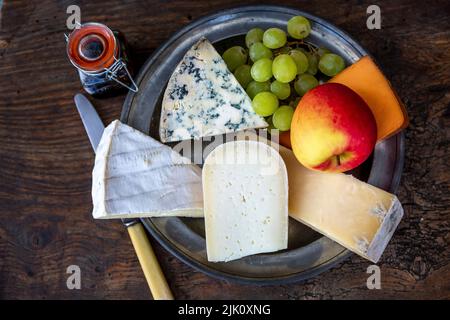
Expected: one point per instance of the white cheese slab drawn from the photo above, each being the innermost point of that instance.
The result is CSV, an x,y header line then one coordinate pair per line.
x,y
245,192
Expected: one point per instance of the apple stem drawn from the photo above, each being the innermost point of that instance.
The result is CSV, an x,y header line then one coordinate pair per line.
x,y
338,158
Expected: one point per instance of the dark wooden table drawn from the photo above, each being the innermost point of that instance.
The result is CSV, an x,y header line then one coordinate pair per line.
x,y
46,159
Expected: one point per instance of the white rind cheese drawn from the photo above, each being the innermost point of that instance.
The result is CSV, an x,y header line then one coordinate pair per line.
x,y
136,176
203,98
245,191
353,213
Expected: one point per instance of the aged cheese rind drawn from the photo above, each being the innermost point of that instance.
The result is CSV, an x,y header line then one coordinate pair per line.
x,y
136,176
245,201
391,220
353,213
203,98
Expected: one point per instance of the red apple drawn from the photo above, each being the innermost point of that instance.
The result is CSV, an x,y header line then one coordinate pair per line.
x,y
332,129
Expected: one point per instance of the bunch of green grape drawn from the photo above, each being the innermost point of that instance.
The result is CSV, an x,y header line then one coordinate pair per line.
x,y
277,68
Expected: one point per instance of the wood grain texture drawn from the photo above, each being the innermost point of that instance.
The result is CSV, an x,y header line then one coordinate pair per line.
x,y
46,158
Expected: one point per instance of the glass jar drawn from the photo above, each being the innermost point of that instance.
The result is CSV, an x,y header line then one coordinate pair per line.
x,y
102,59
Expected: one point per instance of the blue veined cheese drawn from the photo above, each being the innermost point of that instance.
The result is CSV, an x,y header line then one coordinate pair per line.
x,y
203,98
137,176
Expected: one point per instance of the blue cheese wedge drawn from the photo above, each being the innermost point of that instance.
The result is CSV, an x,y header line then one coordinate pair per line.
x,y
136,176
203,98
245,191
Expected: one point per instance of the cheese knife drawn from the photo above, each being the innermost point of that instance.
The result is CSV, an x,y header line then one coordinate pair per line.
x,y
153,274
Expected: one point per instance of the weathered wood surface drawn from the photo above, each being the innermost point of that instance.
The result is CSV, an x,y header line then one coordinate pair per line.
x,y
46,158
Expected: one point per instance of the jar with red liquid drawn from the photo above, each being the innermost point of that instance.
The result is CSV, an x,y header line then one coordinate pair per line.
x,y
102,60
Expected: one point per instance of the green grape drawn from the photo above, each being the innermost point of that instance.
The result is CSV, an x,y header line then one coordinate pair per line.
x,y
271,128
301,60
304,83
280,89
313,61
235,57
282,118
321,51
274,38
253,36
331,64
298,27
259,51
255,87
265,103
243,76
262,70
284,68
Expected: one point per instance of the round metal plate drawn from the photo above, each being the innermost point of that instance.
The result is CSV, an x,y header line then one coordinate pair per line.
x,y
308,253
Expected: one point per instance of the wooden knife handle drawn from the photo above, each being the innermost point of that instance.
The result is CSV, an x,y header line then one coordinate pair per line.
x,y
152,271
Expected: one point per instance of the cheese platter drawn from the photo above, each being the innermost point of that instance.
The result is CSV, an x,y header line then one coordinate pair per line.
x,y
180,71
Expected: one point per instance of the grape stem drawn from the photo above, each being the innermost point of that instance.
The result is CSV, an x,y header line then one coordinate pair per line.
x,y
296,44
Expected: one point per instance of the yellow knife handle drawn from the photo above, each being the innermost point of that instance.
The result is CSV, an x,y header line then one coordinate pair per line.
x,y
152,271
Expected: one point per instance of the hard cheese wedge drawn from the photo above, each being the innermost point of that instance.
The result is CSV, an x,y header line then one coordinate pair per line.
x,y
203,98
245,192
355,214
366,79
136,176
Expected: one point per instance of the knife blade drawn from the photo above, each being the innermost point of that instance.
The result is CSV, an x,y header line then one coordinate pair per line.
x,y
92,123
155,278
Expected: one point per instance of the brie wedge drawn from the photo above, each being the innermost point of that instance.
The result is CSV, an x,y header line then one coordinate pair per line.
x,y
136,176
203,98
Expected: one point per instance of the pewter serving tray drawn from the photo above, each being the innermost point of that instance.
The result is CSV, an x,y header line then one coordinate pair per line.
x,y
308,253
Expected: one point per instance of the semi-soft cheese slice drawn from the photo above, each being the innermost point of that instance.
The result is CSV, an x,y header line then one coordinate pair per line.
x,y
367,80
245,191
353,213
136,176
203,98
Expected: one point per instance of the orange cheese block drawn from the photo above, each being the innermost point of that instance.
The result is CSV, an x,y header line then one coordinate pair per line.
x,y
366,79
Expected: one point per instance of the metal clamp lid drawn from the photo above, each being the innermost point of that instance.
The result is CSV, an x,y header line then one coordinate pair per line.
x,y
112,71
